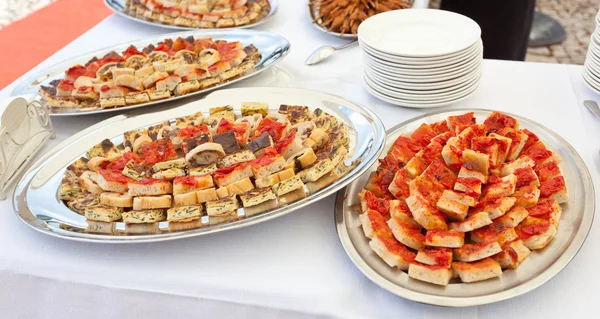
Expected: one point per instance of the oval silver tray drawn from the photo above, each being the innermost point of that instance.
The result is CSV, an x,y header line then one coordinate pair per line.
x,y
272,47
36,197
538,268
119,5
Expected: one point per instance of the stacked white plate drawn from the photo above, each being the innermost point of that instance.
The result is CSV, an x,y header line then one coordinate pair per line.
x,y
591,68
421,57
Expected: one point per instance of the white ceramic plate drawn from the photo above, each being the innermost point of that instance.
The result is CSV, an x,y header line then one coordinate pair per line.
x,y
402,66
423,71
415,61
590,84
418,78
431,85
423,95
425,98
419,32
418,105
402,59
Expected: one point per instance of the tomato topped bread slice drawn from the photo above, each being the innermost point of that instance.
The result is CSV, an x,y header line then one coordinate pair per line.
x,y
406,233
477,271
435,256
159,151
149,186
268,163
444,238
392,252
368,200
437,275
241,130
187,184
460,122
228,175
496,232
374,224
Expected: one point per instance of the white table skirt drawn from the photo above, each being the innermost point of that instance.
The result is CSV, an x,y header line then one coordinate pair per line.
x,y
293,266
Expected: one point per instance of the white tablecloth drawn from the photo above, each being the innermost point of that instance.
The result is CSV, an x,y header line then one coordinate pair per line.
x,y
293,266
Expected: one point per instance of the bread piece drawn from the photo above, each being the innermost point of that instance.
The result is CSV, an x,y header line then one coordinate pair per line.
x,y
222,192
374,224
527,196
229,175
465,172
236,158
444,238
202,170
316,171
260,208
129,81
536,233
251,108
474,252
176,163
494,232
460,198
184,213
106,148
406,233
77,167
392,252
222,206
512,254
149,186
468,185
136,98
152,202
205,154
425,214
103,213
185,199
302,159
521,162
206,195
225,112
452,209
285,174
505,186
187,87
437,275
240,187
88,181
80,202
472,222
116,200
267,164
511,219
257,196
159,95
435,256
499,206
555,189
267,181
477,271
189,184
112,181
288,185
70,188
479,161
144,216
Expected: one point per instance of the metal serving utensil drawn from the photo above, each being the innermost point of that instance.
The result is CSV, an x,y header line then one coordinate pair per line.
x,y
324,52
593,107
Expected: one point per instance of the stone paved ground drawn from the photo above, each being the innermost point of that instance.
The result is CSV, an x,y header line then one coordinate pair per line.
x,y
577,16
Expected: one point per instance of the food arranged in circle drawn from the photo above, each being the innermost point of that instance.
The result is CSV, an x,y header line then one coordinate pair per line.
x,y
458,199
203,14
168,69
201,169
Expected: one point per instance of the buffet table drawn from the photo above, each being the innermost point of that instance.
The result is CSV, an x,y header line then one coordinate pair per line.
x,y
293,266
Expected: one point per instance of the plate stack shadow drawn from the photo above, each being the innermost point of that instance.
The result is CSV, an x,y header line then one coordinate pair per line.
x,y
421,57
591,68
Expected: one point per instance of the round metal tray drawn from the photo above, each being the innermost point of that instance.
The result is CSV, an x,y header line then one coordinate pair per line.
x,y
539,267
119,5
36,199
272,47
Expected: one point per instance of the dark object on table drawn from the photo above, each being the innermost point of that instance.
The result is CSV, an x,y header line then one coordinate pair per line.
x,y
505,25
545,31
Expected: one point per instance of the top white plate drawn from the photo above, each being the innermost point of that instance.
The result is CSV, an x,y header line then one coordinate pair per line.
x,y
419,32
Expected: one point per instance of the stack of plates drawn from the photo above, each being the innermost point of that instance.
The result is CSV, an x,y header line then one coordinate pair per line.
x,y
591,69
421,57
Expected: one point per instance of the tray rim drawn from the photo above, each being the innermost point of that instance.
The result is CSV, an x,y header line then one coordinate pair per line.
x,y
540,279
274,7
23,184
29,79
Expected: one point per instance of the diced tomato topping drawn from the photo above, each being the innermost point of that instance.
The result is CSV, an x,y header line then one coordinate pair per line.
x,y
379,183
224,171
164,48
552,186
193,131
225,47
396,248
273,128
114,176
460,122
120,163
423,134
66,85
531,139
76,71
182,44
268,156
498,121
285,141
202,44
379,224
149,181
131,51
159,151
239,129
543,209
382,206
527,231
525,176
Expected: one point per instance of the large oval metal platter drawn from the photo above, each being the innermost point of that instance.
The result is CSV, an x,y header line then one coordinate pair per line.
x,y
272,47
119,5
36,199
538,268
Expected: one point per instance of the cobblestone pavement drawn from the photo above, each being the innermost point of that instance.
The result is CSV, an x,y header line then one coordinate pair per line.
x,y
576,16
578,19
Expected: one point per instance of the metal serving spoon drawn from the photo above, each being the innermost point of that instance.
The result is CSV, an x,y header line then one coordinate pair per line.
x,y
593,107
324,52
